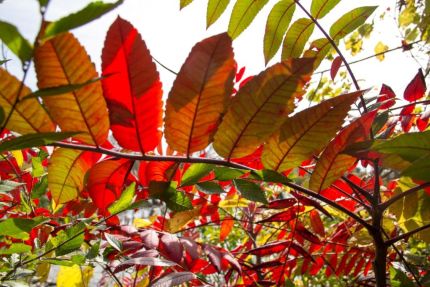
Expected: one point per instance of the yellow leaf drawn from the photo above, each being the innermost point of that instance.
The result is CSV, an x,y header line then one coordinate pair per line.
x,y
66,173
63,61
17,154
141,222
180,219
234,202
74,276
29,116
42,271
380,48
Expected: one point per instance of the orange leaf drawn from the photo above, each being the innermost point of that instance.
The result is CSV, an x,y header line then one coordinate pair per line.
x,y
200,94
226,227
332,163
261,106
133,89
28,116
316,222
63,61
306,133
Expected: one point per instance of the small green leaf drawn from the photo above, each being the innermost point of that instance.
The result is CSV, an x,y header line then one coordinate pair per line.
x,y
297,36
37,167
60,90
227,173
40,188
195,172
210,187
94,251
89,13
78,259
19,227
320,8
244,12
184,3
15,41
74,237
350,21
113,241
43,3
277,24
16,248
124,201
268,175
215,10
177,201
34,140
399,279
250,190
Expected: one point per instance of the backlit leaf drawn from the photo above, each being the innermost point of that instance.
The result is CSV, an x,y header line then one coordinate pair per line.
x,y
215,9
11,37
277,24
260,107
244,12
297,36
320,8
419,169
19,227
28,116
350,21
124,201
226,227
250,190
33,140
416,88
380,48
66,173
173,279
335,65
89,13
200,95
195,172
180,219
306,133
106,181
74,276
209,187
63,61
133,91
184,3
332,164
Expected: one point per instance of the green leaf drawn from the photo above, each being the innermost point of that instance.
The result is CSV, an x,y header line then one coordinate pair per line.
x,y
4,61
320,8
210,187
94,251
215,10
399,279
124,201
74,237
244,12
296,38
59,262
89,13
16,248
350,21
420,169
43,3
19,227
34,140
78,259
113,241
410,147
15,41
277,24
250,190
195,172
177,201
40,188
268,175
37,167
184,3
60,90
226,173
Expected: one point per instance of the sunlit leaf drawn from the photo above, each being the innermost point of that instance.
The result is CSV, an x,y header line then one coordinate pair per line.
x,y
19,227
87,14
380,48
124,201
133,91
66,173
416,88
180,219
34,140
244,12
297,36
332,164
260,107
11,37
16,248
250,190
226,227
215,9
184,3
28,116
306,133
320,8
69,240
74,276
277,24
335,65
105,182
350,21
398,278
83,110
200,94
209,187
195,172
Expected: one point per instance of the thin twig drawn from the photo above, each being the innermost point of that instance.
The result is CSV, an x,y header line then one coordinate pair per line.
x,y
397,197
407,234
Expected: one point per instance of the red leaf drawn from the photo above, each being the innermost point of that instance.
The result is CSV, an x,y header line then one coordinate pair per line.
x,y
306,234
106,181
387,97
316,223
214,256
282,203
335,65
226,227
416,88
407,110
132,88
271,248
239,74
422,124
284,216
172,247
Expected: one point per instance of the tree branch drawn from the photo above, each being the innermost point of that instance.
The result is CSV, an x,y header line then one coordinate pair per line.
x,y
397,197
407,234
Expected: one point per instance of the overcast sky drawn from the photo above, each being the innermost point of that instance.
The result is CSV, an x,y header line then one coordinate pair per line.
x,y
170,35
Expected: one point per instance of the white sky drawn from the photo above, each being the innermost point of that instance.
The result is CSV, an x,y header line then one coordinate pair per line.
x,y
170,34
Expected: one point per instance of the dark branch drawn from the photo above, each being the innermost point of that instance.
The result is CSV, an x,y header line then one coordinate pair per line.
x,y
407,234
397,197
